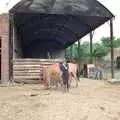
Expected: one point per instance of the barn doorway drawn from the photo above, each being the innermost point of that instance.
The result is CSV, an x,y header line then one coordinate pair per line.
x,y
34,41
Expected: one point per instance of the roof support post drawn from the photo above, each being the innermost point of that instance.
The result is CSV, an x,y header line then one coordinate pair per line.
x,y
112,51
11,25
79,57
91,48
65,53
71,52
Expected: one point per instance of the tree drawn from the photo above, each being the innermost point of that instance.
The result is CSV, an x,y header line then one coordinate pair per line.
x,y
117,43
106,41
100,51
84,51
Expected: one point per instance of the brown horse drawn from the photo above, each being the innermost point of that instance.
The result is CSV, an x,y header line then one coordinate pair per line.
x,y
52,75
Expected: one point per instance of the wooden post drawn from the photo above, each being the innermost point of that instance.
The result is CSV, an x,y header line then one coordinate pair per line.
x,y
79,56
112,51
65,53
91,47
79,50
71,52
11,25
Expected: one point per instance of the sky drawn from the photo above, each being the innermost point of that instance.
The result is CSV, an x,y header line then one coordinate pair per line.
x,y
103,31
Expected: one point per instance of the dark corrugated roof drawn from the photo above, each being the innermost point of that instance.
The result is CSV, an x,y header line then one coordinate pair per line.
x,y
58,21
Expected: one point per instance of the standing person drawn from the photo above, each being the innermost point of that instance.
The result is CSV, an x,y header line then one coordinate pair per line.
x,y
65,74
85,71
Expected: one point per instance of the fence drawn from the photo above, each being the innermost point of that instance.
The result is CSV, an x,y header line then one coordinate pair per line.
x,y
101,69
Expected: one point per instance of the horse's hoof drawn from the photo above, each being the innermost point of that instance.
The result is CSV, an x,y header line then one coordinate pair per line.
x,y
67,90
76,85
47,88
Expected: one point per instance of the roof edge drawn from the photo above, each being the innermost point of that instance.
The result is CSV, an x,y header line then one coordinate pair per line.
x,y
112,16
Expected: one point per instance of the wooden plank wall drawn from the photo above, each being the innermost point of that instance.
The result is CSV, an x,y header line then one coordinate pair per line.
x,y
30,71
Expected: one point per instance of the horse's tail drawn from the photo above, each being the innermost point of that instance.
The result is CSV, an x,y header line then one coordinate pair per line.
x,y
78,72
72,74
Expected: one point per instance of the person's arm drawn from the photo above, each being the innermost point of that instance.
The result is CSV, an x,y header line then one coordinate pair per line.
x,y
67,66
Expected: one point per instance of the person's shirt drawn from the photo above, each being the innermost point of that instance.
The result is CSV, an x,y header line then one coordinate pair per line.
x,y
64,67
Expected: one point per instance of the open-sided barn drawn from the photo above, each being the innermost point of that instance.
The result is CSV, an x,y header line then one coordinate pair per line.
x,y
42,29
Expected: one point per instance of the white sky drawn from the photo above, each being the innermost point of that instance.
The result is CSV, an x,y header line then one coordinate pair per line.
x,y
104,30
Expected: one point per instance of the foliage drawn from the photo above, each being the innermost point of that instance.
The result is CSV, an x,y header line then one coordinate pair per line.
x,y
107,42
99,49
84,51
117,43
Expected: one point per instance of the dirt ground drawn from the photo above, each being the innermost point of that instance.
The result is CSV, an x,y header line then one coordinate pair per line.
x,y
92,100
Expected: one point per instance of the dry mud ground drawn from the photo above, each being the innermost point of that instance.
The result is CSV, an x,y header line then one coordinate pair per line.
x,y
92,100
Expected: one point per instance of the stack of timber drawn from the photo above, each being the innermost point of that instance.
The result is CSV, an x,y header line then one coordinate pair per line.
x,y
30,71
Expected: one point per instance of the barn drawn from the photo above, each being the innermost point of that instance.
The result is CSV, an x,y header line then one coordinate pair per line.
x,y
37,32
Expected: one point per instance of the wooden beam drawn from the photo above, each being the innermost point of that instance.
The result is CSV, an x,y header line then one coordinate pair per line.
x,y
91,47
71,52
112,50
79,57
11,48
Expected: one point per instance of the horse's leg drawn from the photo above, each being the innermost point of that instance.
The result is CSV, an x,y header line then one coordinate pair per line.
x,y
56,85
57,82
76,80
48,82
69,81
61,81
